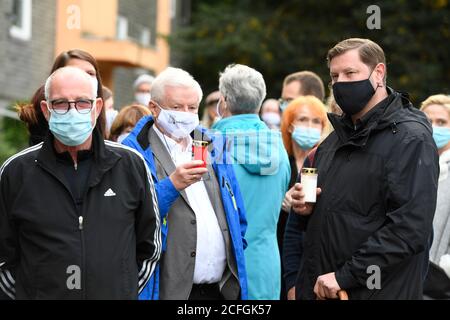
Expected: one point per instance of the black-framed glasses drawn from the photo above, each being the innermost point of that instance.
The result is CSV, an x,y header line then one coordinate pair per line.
x,y
62,106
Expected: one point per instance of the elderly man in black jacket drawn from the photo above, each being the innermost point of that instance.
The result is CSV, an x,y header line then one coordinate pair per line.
x,y
369,231
78,216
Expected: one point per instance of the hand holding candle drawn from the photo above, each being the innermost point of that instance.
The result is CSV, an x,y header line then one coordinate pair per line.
x,y
200,151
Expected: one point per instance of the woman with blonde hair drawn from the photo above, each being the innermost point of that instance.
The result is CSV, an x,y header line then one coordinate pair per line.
x,y
303,125
126,120
437,109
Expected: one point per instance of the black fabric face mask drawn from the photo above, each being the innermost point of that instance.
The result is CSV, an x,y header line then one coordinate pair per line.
x,y
352,96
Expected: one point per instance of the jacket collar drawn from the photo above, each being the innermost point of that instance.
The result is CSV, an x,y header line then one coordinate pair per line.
x,y
104,159
142,135
395,109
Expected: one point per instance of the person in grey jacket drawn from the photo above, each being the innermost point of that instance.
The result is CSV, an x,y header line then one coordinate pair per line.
x,y
437,109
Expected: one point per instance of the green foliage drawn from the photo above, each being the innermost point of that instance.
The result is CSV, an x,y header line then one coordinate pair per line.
x,y
281,37
13,137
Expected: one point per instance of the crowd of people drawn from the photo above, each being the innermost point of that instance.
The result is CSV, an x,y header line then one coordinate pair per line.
x,y
148,202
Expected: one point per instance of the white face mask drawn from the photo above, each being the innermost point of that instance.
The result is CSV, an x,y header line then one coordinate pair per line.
x,y
143,98
271,118
110,116
219,116
178,124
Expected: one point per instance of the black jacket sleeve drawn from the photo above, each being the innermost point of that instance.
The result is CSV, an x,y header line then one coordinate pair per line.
x,y
292,249
293,239
8,241
148,228
411,189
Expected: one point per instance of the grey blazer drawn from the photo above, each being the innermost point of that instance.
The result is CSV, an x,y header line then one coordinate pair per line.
x,y
178,261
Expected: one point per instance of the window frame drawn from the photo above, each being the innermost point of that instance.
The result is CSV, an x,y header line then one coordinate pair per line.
x,y
23,31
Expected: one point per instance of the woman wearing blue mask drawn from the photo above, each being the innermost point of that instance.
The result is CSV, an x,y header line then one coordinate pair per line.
x,y
303,125
437,109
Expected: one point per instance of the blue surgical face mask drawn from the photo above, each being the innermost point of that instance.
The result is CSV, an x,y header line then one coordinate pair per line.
x,y
441,136
72,128
306,137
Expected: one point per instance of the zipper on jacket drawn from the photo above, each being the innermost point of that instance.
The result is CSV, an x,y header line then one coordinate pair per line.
x,y
81,223
83,258
80,226
230,191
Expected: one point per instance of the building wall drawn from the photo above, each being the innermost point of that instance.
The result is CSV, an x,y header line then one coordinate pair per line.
x,y
25,65
181,18
140,14
124,77
123,85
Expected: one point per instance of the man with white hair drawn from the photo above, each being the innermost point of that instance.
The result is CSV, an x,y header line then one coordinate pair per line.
x,y
199,200
78,215
262,170
142,86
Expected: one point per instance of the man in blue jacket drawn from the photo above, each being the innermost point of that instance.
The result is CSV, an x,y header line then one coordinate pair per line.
x,y
201,206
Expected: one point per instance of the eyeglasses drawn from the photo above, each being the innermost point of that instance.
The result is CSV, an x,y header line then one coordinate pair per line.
x,y
62,106
284,103
281,100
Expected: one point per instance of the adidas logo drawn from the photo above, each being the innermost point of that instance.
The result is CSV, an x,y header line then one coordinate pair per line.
x,y
110,193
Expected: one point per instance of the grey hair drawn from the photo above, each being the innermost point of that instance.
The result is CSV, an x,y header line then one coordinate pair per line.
x,y
243,88
173,77
48,82
143,78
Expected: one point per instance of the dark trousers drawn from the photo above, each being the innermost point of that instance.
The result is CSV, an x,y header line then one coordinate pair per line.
x,y
205,291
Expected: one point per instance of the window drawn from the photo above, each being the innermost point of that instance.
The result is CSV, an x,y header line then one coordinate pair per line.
x,y
21,20
122,28
173,9
145,37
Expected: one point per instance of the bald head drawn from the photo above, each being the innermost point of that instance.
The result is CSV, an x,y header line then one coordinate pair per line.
x,y
71,84
70,81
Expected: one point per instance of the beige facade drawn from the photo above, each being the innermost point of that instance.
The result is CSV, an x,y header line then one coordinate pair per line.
x,y
93,26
